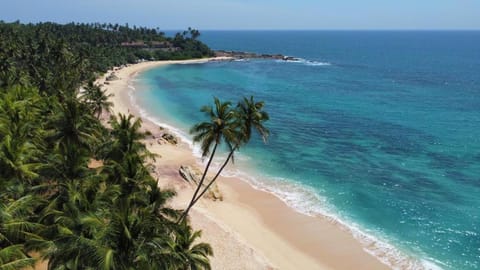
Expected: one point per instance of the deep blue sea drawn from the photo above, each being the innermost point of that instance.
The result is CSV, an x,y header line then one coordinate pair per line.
x,y
380,130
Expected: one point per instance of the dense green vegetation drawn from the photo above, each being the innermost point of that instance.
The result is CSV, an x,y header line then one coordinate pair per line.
x,y
48,52
76,216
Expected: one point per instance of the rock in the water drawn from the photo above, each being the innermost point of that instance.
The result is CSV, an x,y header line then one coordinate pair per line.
x,y
290,58
170,138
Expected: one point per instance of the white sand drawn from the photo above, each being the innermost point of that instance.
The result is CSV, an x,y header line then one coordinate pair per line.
x,y
249,229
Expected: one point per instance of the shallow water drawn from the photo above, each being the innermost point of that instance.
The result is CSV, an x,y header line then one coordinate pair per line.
x,y
378,129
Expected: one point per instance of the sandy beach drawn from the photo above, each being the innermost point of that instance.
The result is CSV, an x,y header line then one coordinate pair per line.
x,y
249,228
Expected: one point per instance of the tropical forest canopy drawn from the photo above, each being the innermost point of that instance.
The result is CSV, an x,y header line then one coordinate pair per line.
x,y
72,191
38,50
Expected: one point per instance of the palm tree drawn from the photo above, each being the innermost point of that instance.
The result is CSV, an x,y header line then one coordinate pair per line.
x,y
20,112
72,135
192,256
13,257
20,137
251,116
126,138
132,232
16,159
125,155
72,126
97,99
15,229
221,126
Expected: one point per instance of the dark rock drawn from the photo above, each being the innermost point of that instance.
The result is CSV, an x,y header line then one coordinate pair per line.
x,y
250,55
290,58
190,174
112,77
193,175
170,138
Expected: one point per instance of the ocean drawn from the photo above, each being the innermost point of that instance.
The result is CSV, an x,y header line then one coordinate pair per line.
x,y
379,130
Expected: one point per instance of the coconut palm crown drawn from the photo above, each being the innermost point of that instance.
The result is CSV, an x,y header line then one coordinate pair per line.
x,y
246,116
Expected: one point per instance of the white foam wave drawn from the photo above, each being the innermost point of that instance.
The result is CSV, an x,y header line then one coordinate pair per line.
x,y
304,200
316,63
305,62
182,135
307,201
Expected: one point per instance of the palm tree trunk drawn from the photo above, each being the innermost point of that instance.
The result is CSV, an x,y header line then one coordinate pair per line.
x,y
200,183
215,177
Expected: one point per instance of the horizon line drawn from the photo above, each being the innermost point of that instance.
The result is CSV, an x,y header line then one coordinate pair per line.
x,y
271,29
333,29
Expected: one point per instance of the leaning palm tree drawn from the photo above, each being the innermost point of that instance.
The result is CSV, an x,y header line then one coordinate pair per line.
x,y
220,126
250,116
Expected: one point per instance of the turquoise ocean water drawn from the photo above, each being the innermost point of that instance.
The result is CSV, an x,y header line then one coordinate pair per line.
x,y
379,130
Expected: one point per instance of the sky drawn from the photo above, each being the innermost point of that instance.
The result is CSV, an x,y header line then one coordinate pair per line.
x,y
254,14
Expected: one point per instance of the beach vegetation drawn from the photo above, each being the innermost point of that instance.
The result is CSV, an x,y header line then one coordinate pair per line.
x,y
96,99
50,52
53,202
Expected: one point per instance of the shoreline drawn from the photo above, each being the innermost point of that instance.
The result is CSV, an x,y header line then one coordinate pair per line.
x,y
250,228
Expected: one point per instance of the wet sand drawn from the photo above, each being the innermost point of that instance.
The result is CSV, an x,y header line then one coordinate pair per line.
x,y
249,229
